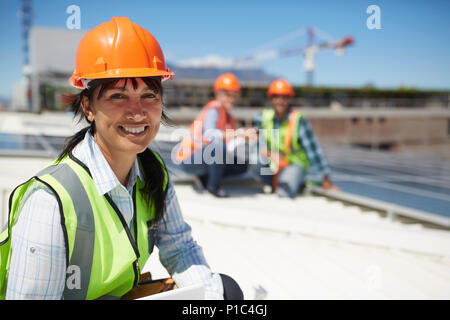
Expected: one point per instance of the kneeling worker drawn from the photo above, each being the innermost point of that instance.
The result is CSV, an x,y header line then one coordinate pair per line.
x,y
204,151
289,145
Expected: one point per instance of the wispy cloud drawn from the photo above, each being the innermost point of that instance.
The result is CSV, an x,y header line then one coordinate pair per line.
x,y
217,61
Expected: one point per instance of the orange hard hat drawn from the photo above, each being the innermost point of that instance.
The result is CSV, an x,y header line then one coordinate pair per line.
x,y
227,81
118,48
280,87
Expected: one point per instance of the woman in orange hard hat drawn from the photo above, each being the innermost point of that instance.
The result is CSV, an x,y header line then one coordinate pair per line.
x,y
289,146
85,226
204,151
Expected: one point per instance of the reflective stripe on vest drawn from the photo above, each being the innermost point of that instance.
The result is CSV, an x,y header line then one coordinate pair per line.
x,y
288,133
195,140
103,258
83,247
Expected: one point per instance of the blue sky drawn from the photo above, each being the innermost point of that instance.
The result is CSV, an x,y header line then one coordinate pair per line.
x,y
412,48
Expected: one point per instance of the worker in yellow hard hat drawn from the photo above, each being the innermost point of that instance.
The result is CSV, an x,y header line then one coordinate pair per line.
x,y
287,144
85,225
205,152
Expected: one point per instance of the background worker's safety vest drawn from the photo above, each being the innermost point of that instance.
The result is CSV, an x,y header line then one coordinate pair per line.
x,y
195,140
103,256
286,144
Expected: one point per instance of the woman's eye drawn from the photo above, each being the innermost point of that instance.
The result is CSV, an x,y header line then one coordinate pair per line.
x,y
149,96
117,96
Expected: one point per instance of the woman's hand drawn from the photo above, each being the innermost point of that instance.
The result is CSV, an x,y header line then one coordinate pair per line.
x,y
248,133
276,158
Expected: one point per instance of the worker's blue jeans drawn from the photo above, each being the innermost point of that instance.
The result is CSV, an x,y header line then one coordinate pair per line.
x,y
213,172
289,180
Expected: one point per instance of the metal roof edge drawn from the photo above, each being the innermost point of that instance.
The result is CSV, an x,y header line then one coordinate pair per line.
x,y
392,210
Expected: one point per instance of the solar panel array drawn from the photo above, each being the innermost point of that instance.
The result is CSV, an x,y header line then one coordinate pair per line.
x,y
405,179
30,145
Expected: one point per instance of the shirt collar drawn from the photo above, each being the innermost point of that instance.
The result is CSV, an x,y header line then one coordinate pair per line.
x,y
104,178
286,116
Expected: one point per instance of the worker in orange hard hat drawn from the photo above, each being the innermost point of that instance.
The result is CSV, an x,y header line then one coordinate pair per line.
x,y
205,152
100,208
289,146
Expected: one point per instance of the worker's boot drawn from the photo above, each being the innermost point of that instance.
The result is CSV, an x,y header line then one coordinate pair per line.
x,y
219,193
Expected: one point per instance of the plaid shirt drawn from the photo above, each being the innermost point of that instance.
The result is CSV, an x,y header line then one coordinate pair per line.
x,y
38,260
307,140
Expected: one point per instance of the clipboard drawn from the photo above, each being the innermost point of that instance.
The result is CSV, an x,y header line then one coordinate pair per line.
x,y
193,292
163,289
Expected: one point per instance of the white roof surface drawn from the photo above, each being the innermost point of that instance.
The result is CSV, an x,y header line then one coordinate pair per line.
x,y
313,248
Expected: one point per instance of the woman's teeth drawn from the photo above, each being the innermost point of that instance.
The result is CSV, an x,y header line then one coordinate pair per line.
x,y
134,130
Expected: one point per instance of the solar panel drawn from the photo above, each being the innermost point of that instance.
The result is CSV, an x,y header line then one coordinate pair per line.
x,y
409,180
412,181
30,145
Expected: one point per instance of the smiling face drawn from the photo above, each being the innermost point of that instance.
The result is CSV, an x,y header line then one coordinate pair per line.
x,y
127,117
280,104
227,98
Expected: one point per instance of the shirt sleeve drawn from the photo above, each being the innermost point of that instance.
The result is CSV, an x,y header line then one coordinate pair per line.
x,y
180,254
209,129
309,143
38,256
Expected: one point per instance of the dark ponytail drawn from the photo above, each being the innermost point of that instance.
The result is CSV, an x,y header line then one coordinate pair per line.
x,y
154,181
154,171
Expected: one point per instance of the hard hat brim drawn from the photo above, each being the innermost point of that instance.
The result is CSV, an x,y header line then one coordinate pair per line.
x,y
290,94
121,73
227,89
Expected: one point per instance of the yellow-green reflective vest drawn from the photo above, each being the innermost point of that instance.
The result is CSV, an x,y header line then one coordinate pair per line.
x,y
275,140
103,256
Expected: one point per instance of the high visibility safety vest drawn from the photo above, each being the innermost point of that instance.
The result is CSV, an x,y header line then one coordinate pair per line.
x,y
100,248
195,140
286,144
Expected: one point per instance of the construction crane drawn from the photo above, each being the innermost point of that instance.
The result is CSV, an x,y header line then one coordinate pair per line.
x,y
309,51
25,14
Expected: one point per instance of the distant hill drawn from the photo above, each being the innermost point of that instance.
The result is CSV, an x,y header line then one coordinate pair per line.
x,y
207,73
